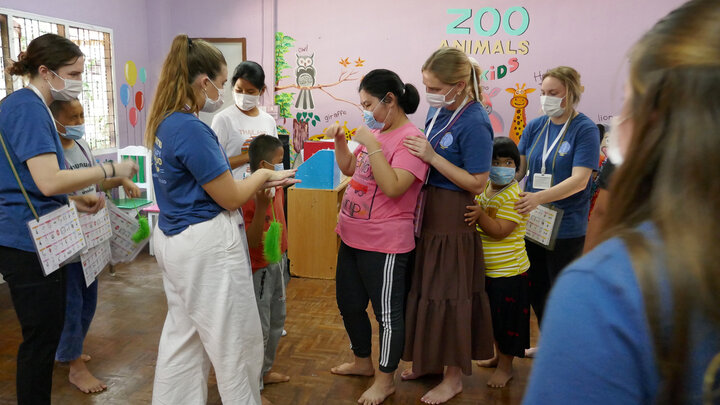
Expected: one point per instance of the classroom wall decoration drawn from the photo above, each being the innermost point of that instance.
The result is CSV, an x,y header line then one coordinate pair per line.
x,y
134,102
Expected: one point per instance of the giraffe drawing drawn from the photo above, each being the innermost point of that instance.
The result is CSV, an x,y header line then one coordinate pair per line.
x,y
519,101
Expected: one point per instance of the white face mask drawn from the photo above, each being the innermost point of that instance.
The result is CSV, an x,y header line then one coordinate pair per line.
x,y
438,100
551,106
614,151
246,102
213,105
71,91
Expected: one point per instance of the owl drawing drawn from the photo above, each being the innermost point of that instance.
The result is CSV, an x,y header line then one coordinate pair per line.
x,y
305,77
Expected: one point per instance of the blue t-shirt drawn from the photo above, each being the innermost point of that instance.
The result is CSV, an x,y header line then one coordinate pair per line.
x,y
596,345
467,144
28,131
186,155
579,147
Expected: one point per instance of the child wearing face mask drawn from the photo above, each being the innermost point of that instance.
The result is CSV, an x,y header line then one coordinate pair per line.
x,y
266,151
81,300
238,125
507,283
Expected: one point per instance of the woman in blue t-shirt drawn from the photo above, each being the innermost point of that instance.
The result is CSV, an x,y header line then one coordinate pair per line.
x,y
635,321
212,314
559,151
448,321
32,156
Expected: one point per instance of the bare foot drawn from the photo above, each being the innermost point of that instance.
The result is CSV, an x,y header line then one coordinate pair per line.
x,y
265,401
503,373
81,378
362,368
272,377
408,374
382,387
490,363
531,352
443,392
85,357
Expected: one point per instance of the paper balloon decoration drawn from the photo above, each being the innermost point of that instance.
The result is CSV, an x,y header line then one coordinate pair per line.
x,y
139,100
125,94
142,75
130,72
133,117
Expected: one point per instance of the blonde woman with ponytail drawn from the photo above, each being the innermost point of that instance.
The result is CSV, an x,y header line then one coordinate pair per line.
x,y
636,320
448,322
200,240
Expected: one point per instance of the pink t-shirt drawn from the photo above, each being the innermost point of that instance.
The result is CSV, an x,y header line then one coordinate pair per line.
x,y
370,220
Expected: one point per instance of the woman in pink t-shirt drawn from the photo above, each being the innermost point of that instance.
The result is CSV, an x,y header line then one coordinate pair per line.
x,y
376,226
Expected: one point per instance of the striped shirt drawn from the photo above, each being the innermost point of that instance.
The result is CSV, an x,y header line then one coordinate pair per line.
x,y
506,257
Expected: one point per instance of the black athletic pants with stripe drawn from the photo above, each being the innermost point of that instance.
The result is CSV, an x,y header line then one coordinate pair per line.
x,y
383,279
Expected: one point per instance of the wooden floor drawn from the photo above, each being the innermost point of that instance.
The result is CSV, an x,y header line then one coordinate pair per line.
x,y
125,332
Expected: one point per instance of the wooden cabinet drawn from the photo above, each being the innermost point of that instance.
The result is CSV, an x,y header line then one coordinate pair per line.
x,y
312,241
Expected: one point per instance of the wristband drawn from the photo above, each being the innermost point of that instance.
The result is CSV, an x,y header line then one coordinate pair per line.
x,y
372,153
104,172
113,167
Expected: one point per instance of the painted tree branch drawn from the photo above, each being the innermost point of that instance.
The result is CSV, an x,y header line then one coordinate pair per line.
x,y
343,78
339,99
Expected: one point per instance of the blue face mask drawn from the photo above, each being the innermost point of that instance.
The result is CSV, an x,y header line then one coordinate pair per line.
x,y
502,175
73,132
279,167
370,120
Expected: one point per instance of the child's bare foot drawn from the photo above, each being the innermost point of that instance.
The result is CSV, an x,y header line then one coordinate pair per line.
x,y
265,401
450,386
531,352
408,374
272,377
490,363
500,378
81,378
360,366
503,373
382,387
85,357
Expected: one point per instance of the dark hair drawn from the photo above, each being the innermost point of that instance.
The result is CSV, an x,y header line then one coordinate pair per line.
x,y
261,148
504,147
380,82
603,129
50,50
59,105
250,71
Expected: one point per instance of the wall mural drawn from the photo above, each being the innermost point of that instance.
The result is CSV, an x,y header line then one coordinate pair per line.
x,y
136,101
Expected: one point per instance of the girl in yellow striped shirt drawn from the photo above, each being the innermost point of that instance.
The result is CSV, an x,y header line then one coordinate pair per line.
x,y
506,262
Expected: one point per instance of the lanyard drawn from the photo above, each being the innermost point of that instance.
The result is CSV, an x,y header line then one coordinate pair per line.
x,y
546,151
67,164
428,133
35,89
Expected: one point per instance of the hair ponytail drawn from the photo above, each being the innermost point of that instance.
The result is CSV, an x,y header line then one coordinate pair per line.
x,y
186,60
380,82
409,99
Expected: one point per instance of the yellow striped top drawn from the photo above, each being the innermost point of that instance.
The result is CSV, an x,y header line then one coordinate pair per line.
x,y
506,257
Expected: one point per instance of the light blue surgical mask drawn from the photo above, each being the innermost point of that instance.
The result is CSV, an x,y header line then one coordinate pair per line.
x,y
369,118
73,132
279,167
502,175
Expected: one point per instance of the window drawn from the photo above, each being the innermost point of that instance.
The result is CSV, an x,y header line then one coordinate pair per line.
x,y
17,29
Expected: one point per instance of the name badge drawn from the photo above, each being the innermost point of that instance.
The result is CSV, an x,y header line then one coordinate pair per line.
x,y
542,181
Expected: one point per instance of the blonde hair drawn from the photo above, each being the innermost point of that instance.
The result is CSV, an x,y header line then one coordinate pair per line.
x,y
570,78
452,66
675,79
186,60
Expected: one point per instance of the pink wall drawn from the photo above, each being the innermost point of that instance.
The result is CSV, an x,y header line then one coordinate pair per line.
x,y
399,35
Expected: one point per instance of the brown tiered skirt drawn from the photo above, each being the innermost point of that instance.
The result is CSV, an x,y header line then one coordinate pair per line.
x,y
448,320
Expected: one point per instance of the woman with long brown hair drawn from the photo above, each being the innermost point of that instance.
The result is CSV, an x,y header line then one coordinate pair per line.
x,y
200,241
636,320
31,185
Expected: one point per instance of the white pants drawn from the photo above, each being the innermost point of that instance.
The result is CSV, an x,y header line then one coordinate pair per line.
x,y
212,316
